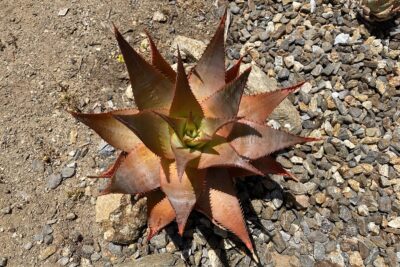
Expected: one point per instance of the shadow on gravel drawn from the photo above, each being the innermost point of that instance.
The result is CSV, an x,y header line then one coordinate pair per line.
x,y
382,29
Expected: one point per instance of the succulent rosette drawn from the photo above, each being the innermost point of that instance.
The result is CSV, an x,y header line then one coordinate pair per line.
x,y
190,137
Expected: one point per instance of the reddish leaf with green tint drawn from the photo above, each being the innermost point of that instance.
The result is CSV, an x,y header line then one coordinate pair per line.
x,y
210,126
182,193
111,130
184,101
182,157
266,165
208,76
110,172
253,140
151,89
159,62
221,154
176,124
225,102
234,71
257,108
152,130
139,172
191,138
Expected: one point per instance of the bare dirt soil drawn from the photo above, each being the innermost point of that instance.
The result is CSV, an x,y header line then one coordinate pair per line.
x,y
50,62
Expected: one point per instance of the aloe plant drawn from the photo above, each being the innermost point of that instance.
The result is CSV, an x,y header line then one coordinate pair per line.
x,y
379,10
190,137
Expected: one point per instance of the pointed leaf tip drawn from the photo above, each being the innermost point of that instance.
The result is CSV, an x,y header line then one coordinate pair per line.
x,y
184,102
258,107
181,194
138,173
219,202
234,71
208,76
159,212
158,61
150,87
253,140
225,102
111,130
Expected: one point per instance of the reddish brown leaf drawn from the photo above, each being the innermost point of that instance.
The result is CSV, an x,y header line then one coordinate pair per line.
x,y
257,108
182,193
225,102
151,129
220,203
158,61
211,125
182,157
233,72
151,89
111,130
209,74
220,154
253,140
159,212
139,172
266,165
184,102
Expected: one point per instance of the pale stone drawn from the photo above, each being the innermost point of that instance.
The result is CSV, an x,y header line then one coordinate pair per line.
x,y
349,144
320,198
214,259
47,252
159,16
355,259
284,260
129,92
395,223
373,228
106,204
355,185
363,210
336,257
189,46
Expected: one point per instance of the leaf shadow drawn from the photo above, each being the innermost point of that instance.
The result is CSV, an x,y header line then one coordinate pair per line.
x,y
381,29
